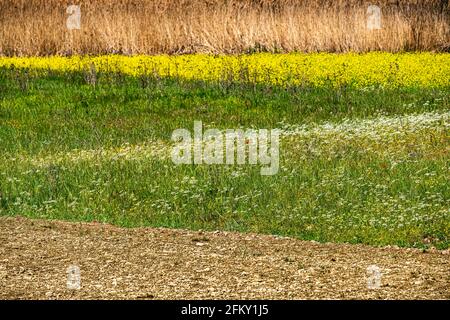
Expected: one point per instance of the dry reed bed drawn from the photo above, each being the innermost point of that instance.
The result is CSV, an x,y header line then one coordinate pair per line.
x,y
38,27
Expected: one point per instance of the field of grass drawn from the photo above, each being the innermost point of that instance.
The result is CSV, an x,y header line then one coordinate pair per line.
x,y
359,164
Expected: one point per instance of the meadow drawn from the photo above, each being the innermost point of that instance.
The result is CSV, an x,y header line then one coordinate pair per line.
x,y
363,155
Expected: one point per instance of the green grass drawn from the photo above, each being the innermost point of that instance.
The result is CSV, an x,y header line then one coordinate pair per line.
x,y
386,183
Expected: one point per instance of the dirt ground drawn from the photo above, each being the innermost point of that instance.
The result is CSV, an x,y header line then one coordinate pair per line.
x,y
148,263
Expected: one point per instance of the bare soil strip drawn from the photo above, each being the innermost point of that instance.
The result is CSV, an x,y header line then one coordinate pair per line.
x,y
148,263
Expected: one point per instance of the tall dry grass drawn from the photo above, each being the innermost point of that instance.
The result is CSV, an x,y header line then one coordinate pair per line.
x,y
38,27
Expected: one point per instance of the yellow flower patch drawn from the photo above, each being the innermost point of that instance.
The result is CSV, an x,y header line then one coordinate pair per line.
x,y
321,69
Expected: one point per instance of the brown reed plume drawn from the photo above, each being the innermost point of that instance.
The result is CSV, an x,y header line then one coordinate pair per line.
x,y
38,27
